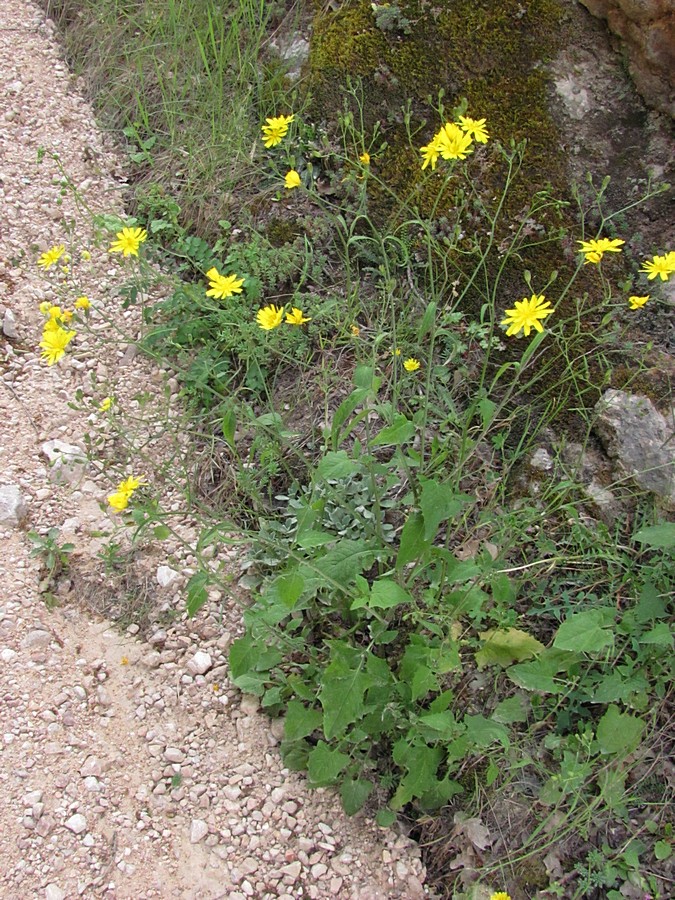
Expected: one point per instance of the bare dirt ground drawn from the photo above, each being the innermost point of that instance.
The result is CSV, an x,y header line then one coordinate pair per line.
x,y
128,768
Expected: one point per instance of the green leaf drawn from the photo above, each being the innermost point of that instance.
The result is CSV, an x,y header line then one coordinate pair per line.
x,y
589,631
345,561
650,605
228,426
161,532
364,377
400,431
438,726
538,675
385,818
243,656
619,732
289,588
310,539
343,687
385,593
503,647
354,794
511,710
487,409
295,754
344,411
412,544
337,465
421,763
196,592
662,850
427,322
661,536
324,765
439,502
660,634
484,732
300,720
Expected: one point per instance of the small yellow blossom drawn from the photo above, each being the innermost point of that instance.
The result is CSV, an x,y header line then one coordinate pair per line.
x,y
430,153
454,143
105,404
223,286
270,317
44,307
593,250
82,303
128,241
119,500
526,315
637,302
275,130
296,317
292,179
53,255
397,351
86,255
411,364
67,316
475,128
500,895
124,661
355,330
365,158
54,312
661,266
54,342
130,484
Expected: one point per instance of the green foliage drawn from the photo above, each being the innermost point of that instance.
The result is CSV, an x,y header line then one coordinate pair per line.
x,y
54,557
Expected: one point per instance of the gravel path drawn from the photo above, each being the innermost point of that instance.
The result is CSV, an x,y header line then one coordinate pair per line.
x,y
127,768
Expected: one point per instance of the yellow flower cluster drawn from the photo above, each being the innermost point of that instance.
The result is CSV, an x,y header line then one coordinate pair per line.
x,y
661,266
119,500
272,316
275,130
454,141
594,250
55,337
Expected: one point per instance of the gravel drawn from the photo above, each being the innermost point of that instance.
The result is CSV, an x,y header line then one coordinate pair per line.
x,y
128,768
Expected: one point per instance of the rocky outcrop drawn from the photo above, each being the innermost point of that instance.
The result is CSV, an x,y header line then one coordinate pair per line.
x,y
647,29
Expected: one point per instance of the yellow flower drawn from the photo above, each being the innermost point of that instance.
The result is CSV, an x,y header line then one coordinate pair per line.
x,y
475,128
397,351
82,303
431,153
663,266
355,330
86,255
593,250
275,130
128,241
124,661
454,143
54,342
292,179
411,364
130,484
119,500
54,312
500,895
526,315
270,317
105,404
637,302
223,286
296,317
365,158
54,254
44,307
67,316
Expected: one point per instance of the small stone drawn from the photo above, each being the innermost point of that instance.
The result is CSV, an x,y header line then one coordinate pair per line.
x,y
91,766
158,639
13,508
45,826
318,870
200,663
77,823
54,892
292,870
174,755
198,831
9,325
166,575
67,462
8,655
36,638
91,783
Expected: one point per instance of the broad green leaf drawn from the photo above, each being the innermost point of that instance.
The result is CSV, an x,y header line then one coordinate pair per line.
x,y
295,754
385,818
438,726
324,765
344,411
354,793
501,648
400,431
289,588
467,601
650,605
341,697
539,674
512,709
196,592
423,681
337,465
487,409
663,850
619,732
484,732
439,502
421,763
660,634
385,593
161,532
364,377
589,631
244,654
345,561
502,589
412,544
661,536
228,426
300,720
311,539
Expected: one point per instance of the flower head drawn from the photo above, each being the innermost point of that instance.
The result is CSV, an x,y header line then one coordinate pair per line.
x,y
86,255
275,130
637,302
430,153
292,179
355,330
82,303
453,142
593,250
526,315
67,316
364,159
128,241
500,895
296,317
105,404
663,266
411,364
223,286
119,500
54,342
475,128
270,317
53,255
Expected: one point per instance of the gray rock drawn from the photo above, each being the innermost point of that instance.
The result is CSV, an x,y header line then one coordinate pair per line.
x,y
91,766
640,441
174,755
36,638
68,463
9,325
200,663
13,508
77,823
198,831
54,892
166,575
